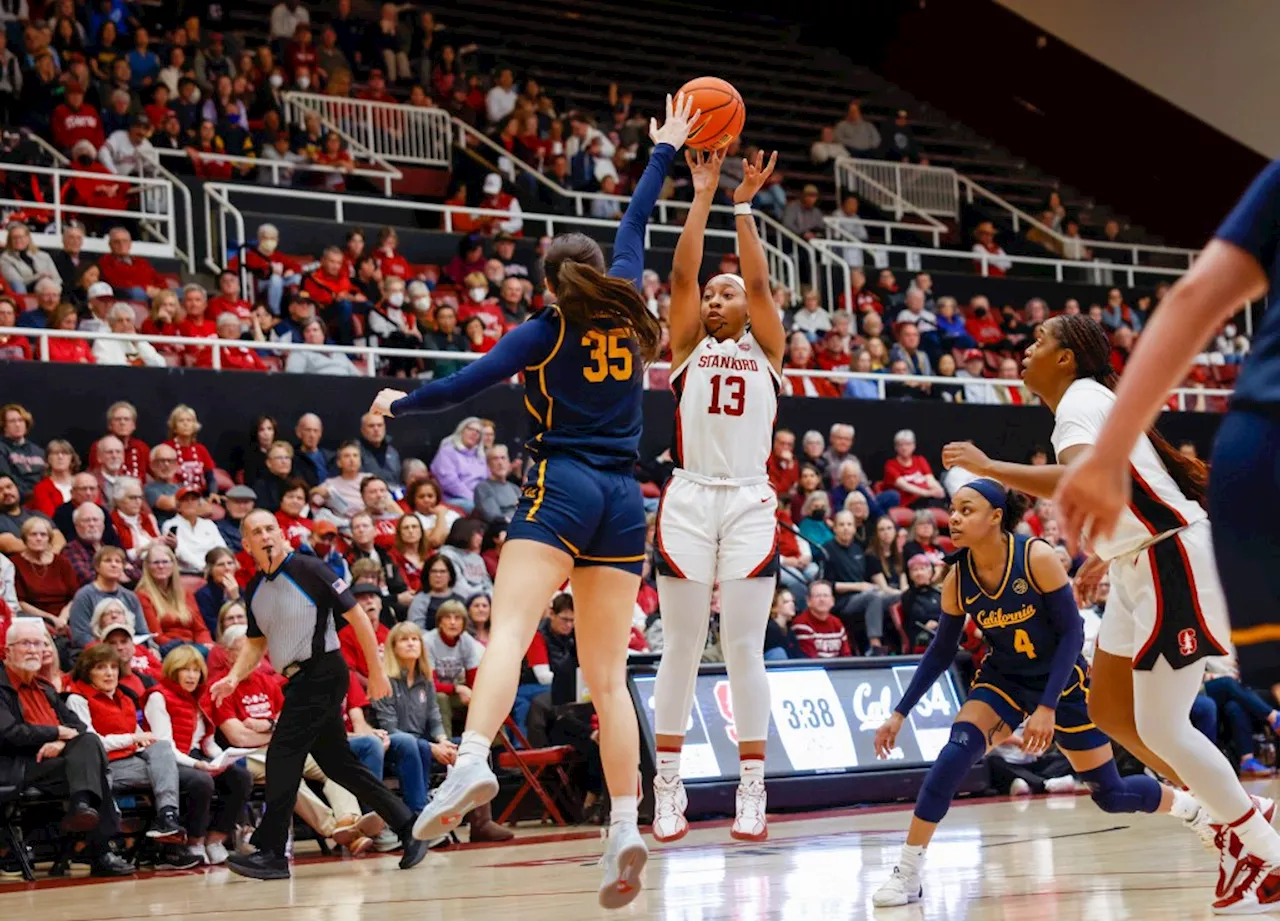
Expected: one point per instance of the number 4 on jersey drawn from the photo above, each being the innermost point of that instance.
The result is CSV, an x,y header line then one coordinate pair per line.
x,y
734,389
1022,643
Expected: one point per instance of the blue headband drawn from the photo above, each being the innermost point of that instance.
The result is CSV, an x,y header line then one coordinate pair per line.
x,y
989,489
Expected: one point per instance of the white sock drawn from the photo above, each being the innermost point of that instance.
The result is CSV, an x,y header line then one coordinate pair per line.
x,y
751,769
1259,838
669,764
912,858
474,746
1185,806
624,809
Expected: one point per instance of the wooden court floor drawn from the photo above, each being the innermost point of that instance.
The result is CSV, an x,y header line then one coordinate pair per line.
x,y
1042,859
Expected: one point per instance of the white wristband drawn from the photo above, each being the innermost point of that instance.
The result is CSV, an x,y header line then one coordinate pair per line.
x,y
742,208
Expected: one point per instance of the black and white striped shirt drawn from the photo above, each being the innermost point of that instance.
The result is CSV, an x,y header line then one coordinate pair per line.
x,y
296,608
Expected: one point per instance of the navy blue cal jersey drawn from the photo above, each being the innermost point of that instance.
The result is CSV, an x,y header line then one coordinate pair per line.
x,y
583,385
1013,619
1254,226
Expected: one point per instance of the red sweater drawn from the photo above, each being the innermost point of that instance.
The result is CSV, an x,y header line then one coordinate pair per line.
x,y
821,639
234,358
71,351
129,272
110,716
167,627
194,461
137,457
324,289
82,124
45,498
351,651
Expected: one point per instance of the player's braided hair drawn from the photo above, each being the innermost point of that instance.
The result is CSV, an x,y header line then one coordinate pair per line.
x,y
1088,342
586,294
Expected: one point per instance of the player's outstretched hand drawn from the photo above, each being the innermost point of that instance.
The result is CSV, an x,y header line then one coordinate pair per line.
x,y
1037,732
1091,496
887,735
754,176
705,168
679,122
1088,579
221,689
382,402
967,456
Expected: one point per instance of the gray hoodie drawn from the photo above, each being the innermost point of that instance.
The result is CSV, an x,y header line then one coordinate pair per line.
x,y
412,709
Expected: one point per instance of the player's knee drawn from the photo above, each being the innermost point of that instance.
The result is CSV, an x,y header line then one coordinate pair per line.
x,y
966,745
1115,794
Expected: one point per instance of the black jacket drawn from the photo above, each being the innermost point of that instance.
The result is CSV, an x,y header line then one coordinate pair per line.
x,y
20,740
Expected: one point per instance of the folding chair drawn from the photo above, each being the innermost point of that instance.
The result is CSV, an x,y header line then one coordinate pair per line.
x,y
531,762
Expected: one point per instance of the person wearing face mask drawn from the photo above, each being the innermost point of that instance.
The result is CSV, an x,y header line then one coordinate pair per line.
x,y
1231,345
101,191
272,271
394,327
478,303
270,97
302,80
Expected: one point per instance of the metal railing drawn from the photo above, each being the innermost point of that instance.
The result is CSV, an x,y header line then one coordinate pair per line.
x,y
783,248
155,207
899,187
407,134
370,355
272,169
219,208
295,114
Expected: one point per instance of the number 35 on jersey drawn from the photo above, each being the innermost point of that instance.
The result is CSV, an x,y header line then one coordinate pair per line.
x,y
610,356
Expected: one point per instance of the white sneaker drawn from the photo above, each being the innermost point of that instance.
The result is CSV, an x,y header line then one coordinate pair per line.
x,y
1060,785
1254,888
899,889
1219,838
215,853
749,822
669,803
469,784
1019,787
623,860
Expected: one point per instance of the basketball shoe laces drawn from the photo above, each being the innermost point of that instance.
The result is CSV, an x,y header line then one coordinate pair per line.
x,y
751,804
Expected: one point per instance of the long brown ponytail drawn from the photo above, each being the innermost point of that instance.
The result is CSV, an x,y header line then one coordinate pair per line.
x,y
1088,341
586,294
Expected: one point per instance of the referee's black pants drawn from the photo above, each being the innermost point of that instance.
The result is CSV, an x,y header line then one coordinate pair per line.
x,y
311,723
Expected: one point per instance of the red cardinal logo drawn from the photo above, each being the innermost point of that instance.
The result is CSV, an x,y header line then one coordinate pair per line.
x,y
1187,642
724,702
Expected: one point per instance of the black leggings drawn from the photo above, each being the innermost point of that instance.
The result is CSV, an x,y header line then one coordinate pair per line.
x,y
233,787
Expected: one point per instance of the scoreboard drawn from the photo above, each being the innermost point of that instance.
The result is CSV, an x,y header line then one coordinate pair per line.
x,y
824,719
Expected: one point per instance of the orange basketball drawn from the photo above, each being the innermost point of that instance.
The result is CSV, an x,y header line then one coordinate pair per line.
x,y
723,113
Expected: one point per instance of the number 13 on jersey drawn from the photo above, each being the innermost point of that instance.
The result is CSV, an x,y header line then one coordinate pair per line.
x,y
610,356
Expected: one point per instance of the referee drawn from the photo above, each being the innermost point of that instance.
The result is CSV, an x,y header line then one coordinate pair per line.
x,y
293,603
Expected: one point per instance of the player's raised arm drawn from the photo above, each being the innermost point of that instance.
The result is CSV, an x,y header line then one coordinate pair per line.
x,y
1039,480
766,325
628,242
525,345
686,294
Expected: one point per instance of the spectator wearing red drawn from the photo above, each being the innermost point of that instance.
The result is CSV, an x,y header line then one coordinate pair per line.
x,y
331,289
818,634
470,259
195,463
230,301
133,277
782,467
301,51
477,336
12,348
382,508
911,475
800,357
122,421
390,262
296,528
71,351
411,550
208,153
232,357
495,199
159,110
369,597
136,527
55,489
989,252
376,88
334,154
983,324
106,191
352,251
197,324
170,609
76,120
271,270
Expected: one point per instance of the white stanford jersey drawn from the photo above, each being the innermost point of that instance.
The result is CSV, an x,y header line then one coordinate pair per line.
x,y
726,405
1157,505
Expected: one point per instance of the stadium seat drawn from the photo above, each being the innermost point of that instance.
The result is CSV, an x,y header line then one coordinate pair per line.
x,y
941,519
902,516
532,762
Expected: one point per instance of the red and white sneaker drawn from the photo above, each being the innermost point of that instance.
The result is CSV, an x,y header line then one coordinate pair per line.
x,y
1218,837
669,803
749,822
1254,888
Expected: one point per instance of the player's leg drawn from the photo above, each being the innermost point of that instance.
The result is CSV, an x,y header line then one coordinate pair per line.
x,y
528,575
744,614
687,546
607,595
984,721
748,569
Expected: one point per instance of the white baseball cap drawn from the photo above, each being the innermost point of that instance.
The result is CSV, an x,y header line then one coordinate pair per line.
x,y
492,184
101,289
